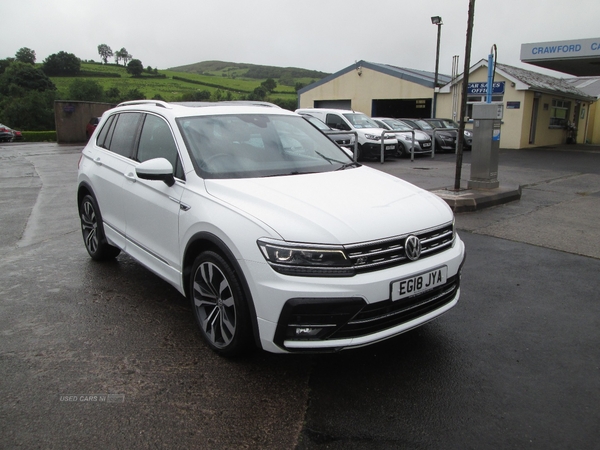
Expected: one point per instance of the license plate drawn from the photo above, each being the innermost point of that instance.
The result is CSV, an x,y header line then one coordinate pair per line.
x,y
390,147
409,287
426,144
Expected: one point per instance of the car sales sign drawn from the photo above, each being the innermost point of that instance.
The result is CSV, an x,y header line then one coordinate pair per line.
x,y
481,88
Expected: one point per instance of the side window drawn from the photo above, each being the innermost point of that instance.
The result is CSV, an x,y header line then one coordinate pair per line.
x,y
156,141
336,122
125,134
105,135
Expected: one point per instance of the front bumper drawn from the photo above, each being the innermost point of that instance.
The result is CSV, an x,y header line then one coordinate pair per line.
x,y
421,147
310,314
374,150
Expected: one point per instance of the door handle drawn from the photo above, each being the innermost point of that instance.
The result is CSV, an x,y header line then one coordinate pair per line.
x,y
131,177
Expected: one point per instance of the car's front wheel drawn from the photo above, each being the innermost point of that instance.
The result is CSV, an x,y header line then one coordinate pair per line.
x,y
403,152
219,305
93,231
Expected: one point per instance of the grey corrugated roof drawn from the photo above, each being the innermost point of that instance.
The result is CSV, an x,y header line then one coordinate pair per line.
x,y
588,85
538,81
421,77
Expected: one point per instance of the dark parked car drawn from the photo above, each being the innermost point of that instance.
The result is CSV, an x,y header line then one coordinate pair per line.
x,y
345,140
6,134
452,125
91,126
445,141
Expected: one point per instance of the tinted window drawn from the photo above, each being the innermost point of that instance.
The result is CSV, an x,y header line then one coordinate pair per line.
x,y
103,139
335,121
125,134
156,141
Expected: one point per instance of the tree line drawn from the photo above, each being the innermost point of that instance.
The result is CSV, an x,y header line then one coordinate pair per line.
x,y
27,94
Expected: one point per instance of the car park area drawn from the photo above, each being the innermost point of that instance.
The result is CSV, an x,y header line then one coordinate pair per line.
x,y
108,355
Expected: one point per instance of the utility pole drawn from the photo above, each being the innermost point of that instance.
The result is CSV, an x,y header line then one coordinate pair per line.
x,y
463,100
436,20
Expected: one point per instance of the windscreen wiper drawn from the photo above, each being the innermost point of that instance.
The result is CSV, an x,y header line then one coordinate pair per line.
x,y
348,165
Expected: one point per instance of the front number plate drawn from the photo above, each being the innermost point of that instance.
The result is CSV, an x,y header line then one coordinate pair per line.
x,y
408,287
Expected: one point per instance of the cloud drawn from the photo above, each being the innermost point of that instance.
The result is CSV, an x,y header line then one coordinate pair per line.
x,y
325,35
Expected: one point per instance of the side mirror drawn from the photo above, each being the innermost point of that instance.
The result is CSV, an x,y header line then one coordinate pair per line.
x,y
158,169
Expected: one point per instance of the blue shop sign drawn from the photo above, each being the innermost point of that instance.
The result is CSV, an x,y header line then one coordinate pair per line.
x,y
481,88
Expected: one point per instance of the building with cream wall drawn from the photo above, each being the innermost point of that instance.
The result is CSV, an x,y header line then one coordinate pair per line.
x,y
531,101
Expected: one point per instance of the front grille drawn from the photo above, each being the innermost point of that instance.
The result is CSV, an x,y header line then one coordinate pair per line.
x,y
381,254
383,315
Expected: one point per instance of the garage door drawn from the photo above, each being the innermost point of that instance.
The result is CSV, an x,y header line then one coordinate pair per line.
x,y
334,104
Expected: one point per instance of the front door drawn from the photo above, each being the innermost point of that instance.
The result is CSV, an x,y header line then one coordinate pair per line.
x,y
153,207
534,118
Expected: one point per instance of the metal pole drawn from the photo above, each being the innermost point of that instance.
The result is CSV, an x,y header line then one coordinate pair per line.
x,y
437,66
463,100
490,87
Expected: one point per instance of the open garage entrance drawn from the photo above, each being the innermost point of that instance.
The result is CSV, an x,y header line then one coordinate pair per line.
x,y
413,108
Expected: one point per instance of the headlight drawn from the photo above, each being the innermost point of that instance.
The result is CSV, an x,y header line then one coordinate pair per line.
x,y
406,138
468,133
372,137
306,259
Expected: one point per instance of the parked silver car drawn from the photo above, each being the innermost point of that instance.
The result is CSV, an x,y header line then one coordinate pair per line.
x,y
405,136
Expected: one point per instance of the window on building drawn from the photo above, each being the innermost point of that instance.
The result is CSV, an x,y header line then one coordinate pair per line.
x,y
559,113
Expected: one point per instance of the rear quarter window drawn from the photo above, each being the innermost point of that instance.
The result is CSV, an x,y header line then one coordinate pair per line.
x,y
121,133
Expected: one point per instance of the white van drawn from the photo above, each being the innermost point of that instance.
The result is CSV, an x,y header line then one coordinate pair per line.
x,y
369,133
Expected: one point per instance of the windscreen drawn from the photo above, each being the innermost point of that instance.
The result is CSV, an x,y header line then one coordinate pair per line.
x,y
258,145
359,120
396,125
424,125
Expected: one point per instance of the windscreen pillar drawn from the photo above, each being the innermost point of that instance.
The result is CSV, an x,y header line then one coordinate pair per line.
x,y
487,119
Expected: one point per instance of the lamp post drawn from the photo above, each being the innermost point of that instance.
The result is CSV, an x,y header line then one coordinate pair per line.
x,y
436,20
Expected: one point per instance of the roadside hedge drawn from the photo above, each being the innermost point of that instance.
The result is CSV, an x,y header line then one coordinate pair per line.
x,y
39,136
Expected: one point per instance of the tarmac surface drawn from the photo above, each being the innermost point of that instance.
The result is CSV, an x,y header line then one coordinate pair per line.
x,y
108,355
559,206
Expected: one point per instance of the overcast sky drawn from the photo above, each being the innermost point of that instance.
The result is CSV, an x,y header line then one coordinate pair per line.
x,y
325,35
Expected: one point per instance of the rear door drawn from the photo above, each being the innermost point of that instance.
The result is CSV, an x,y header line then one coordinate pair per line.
x,y
112,154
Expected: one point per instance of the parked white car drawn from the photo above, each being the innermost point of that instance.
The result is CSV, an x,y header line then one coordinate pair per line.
x,y
368,132
275,235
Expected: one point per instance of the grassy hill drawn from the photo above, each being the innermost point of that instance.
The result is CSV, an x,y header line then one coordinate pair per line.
x,y
283,75
217,77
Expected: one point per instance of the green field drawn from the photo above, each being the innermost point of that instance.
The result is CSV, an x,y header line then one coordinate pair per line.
x,y
229,78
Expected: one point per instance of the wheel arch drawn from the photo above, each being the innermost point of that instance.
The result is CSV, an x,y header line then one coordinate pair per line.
x,y
83,190
205,241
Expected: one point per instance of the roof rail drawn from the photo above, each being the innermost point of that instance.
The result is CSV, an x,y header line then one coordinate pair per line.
x,y
146,102
226,103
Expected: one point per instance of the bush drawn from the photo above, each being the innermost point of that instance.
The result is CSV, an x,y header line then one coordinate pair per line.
x,y
39,136
32,111
86,90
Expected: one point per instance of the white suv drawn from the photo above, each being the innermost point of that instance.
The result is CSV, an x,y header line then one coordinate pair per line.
x,y
368,132
266,226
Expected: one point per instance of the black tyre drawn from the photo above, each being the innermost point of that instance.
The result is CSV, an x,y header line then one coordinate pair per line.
x,y
93,231
402,152
359,153
219,305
